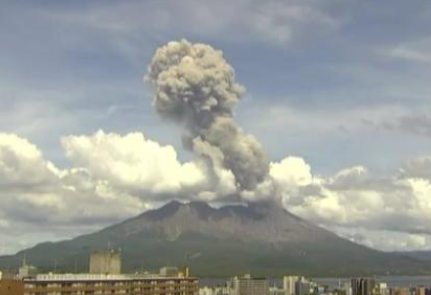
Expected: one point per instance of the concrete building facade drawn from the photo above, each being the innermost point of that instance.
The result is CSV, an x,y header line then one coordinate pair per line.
x,y
362,286
105,262
250,286
76,284
289,284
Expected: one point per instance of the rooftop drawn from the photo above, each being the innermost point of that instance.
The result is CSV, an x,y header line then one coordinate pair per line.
x,y
99,277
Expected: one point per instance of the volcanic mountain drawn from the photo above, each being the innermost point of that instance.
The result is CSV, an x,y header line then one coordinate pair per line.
x,y
261,238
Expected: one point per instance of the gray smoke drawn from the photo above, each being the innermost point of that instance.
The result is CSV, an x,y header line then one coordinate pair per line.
x,y
195,86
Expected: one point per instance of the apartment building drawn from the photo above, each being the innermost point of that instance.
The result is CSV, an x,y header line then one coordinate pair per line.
x,y
77,284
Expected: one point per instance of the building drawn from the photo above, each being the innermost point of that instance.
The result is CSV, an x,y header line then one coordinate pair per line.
x,y
421,290
295,285
276,291
26,270
303,287
185,272
250,286
77,284
169,271
104,278
105,262
206,291
11,286
220,290
289,283
383,289
362,286
399,291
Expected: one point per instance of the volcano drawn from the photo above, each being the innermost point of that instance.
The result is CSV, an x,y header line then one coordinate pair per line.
x,y
262,238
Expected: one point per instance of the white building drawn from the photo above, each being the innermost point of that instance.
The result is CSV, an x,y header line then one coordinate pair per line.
x,y
289,284
105,262
250,286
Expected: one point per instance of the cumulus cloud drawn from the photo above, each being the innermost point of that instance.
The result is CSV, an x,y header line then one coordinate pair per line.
x,y
133,162
356,198
114,176
25,176
111,177
36,193
419,168
145,169
19,159
386,240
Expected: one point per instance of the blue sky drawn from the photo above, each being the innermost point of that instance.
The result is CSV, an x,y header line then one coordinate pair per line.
x,y
86,60
339,83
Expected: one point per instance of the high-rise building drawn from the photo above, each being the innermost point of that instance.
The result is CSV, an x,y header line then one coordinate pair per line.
x,y
105,262
248,285
303,287
362,286
289,284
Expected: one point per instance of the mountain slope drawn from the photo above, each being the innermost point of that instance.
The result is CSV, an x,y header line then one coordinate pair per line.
x,y
419,255
261,238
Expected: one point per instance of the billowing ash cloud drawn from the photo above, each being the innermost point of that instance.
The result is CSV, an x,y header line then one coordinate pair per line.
x,y
195,86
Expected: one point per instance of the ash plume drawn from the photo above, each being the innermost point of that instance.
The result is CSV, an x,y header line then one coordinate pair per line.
x,y
195,87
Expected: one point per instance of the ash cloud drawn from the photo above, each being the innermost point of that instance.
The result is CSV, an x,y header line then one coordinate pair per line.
x,y
195,87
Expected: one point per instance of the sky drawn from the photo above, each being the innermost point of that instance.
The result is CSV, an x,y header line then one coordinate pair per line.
x,y
337,94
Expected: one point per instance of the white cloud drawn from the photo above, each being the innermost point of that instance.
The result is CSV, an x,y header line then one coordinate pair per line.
x,y
416,51
19,161
386,240
291,171
134,162
36,193
355,198
114,176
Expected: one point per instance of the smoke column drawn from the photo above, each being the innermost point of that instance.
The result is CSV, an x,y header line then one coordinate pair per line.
x,y
195,87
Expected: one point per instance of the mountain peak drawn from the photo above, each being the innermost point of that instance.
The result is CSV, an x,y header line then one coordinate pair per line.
x,y
263,221
163,212
252,210
199,205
